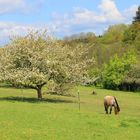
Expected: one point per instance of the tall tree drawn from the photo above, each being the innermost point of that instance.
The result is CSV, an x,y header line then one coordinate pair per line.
x,y
132,34
33,60
137,17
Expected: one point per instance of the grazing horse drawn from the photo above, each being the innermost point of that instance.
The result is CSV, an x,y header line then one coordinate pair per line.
x,y
111,101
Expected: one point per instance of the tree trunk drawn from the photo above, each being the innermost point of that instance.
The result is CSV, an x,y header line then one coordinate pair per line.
x,y
39,93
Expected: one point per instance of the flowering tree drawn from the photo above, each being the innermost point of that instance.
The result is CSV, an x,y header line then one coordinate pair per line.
x,y
33,60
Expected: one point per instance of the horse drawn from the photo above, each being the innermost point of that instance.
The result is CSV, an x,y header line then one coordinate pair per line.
x,y
111,101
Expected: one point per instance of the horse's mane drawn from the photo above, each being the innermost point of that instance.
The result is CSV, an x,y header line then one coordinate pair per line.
x,y
117,104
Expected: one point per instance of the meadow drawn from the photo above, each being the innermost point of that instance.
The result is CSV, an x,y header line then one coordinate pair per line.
x,y
24,117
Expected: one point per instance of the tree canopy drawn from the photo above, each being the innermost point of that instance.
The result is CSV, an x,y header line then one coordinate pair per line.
x,y
33,60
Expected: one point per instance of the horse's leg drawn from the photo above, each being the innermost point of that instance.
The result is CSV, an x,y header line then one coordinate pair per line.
x,y
110,109
106,109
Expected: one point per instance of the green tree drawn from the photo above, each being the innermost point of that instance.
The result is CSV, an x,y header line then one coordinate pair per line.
x,y
114,72
33,60
132,34
114,33
137,17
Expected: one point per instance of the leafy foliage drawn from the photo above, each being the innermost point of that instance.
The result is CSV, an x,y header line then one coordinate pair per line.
x,y
114,72
114,33
132,34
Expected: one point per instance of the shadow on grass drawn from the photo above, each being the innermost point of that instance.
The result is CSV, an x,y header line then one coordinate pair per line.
x,y
35,100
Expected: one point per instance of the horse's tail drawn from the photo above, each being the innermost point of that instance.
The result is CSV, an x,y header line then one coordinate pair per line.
x,y
117,104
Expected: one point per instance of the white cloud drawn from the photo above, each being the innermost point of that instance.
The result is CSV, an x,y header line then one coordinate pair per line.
x,y
79,20
110,11
7,6
8,30
22,6
84,15
87,20
82,19
11,29
130,12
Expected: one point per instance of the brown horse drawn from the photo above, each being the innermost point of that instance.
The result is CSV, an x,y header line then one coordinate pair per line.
x,y
111,101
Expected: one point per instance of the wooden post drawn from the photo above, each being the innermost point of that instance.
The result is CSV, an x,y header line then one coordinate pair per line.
x,y
21,88
79,100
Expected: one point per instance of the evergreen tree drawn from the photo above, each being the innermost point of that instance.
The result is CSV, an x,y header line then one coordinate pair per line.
x,y
137,18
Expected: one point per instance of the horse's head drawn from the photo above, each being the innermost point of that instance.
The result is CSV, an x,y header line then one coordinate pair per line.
x,y
116,110
116,107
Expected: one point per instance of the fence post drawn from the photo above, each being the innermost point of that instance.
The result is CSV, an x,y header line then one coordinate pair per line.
x,y
79,100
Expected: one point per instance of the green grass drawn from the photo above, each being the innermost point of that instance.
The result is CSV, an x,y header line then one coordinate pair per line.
x,y
22,117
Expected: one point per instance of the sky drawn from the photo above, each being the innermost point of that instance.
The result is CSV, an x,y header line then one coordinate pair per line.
x,y
63,17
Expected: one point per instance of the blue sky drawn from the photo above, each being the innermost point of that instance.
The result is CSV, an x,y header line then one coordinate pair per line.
x,y
63,17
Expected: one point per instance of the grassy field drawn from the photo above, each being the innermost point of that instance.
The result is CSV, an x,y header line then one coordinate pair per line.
x,y
23,117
